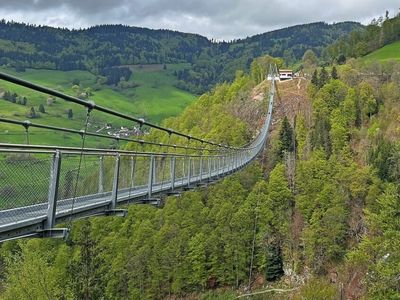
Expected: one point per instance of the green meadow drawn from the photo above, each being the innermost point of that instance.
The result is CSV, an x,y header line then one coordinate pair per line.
x,y
153,98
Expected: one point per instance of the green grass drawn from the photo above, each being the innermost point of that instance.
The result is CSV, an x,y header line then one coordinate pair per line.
x,y
155,98
391,51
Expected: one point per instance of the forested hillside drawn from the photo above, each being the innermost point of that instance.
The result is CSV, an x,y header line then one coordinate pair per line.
x,y
317,213
358,43
99,48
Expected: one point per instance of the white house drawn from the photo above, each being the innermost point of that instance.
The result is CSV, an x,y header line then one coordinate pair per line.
x,y
285,74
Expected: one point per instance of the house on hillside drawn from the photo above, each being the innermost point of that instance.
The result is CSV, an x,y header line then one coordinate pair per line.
x,y
285,74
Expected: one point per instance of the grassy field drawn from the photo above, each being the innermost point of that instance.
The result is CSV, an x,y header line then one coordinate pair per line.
x,y
154,98
391,51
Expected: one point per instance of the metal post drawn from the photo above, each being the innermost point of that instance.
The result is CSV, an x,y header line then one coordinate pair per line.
x,y
101,175
173,163
201,168
133,162
114,194
189,170
209,168
154,171
53,188
151,176
236,161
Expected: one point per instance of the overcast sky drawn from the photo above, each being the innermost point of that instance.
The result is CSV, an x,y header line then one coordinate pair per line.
x,y
218,19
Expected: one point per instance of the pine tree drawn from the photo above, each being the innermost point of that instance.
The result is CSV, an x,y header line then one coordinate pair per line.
x,y
323,77
41,109
334,73
286,138
70,114
32,113
314,79
13,98
7,96
274,263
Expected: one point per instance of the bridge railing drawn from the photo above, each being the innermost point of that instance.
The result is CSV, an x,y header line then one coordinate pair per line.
x,y
41,186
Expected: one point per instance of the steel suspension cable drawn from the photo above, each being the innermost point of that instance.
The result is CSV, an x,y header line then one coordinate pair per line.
x,y
79,167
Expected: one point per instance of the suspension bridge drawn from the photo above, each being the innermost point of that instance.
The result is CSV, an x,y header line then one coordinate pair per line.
x,y
76,182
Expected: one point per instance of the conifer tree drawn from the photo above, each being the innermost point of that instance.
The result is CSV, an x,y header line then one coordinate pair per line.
x,y
314,79
323,77
334,73
274,264
41,109
70,114
286,138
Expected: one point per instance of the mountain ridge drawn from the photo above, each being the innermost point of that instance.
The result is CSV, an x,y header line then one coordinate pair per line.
x,y
104,46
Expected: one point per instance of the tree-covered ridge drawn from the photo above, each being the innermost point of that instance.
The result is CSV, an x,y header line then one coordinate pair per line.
x,y
290,43
360,42
347,179
105,46
321,208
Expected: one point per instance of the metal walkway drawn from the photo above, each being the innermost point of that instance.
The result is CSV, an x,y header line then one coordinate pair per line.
x,y
41,186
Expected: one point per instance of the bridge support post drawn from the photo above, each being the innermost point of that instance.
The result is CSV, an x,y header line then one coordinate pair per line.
x,y
113,211
173,164
236,161
201,168
114,195
189,171
133,162
209,168
219,166
48,228
189,174
173,176
52,197
151,177
101,174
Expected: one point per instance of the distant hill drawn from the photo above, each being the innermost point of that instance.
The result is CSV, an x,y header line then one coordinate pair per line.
x,y
99,47
358,43
289,43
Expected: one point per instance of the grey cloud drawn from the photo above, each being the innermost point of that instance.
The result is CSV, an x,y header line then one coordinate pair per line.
x,y
223,19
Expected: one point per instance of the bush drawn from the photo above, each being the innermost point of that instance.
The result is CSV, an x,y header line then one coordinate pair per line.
x,y
41,109
317,289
